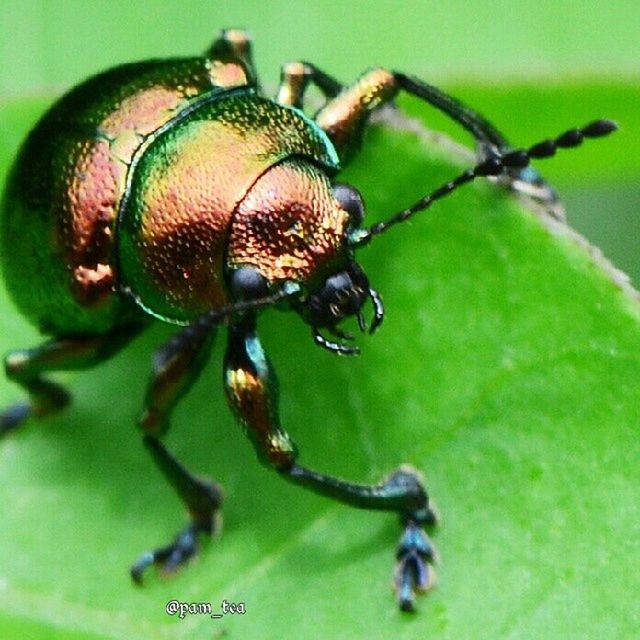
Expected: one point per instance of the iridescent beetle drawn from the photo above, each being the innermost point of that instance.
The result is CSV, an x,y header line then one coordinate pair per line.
x,y
174,189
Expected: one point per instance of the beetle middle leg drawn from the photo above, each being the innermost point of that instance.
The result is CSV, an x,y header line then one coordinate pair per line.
x,y
27,366
295,78
252,392
176,367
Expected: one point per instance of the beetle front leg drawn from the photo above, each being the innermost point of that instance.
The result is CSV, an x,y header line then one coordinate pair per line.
x,y
252,392
176,367
344,119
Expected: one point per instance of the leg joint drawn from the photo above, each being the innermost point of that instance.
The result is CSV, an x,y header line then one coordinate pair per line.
x,y
153,423
279,454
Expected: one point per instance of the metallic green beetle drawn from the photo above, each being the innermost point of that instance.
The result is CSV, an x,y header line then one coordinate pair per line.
x,y
174,189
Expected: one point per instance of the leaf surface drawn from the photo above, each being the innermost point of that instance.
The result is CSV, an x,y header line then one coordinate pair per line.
x,y
507,369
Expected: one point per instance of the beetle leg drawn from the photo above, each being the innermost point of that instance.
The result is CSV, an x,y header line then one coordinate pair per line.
x,y
203,499
176,366
230,59
344,119
251,389
295,78
26,366
175,369
490,141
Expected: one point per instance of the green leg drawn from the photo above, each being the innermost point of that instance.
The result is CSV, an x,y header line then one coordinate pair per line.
x,y
252,392
176,367
27,366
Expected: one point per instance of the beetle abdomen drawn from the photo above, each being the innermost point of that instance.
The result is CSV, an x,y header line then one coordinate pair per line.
x,y
63,194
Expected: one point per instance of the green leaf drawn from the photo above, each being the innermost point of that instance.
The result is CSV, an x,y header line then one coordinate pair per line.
x,y
507,369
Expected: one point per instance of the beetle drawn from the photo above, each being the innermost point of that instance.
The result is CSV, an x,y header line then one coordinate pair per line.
x,y
176,190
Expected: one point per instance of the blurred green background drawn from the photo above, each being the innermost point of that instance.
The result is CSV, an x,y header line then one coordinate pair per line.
x,y
515,60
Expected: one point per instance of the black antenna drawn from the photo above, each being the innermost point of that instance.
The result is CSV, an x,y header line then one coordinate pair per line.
x,y
492,166
217,316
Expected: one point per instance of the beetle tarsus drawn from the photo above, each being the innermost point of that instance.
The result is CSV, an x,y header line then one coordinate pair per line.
x,y
14,416
170,558
414,572
415,554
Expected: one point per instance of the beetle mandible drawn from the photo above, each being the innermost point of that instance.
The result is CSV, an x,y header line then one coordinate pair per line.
x,y
175,189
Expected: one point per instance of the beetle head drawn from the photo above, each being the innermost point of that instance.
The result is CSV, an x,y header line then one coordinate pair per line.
x,y
315,264
344,292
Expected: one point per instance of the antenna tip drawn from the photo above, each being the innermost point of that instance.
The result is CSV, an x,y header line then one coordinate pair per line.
x,y
599,128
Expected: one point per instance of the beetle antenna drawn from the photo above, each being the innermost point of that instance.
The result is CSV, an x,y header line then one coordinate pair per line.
x,y
216,316
492,166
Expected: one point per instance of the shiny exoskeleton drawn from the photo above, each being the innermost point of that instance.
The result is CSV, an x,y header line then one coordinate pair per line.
x,y
176,190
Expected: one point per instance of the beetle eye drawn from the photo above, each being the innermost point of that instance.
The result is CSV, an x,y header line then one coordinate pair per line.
x,y
247,284
351,201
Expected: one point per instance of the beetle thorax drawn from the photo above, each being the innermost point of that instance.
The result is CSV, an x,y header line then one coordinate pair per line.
x,y
288,226
189,182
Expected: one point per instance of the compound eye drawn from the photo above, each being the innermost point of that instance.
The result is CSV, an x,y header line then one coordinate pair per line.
x,y
247,284
351,201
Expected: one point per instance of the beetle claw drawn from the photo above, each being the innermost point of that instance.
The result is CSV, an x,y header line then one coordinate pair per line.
x,y
171,557
414,572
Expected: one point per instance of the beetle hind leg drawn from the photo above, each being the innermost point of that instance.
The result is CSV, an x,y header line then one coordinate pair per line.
x,y
27,366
